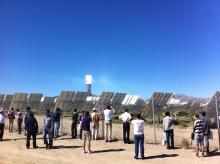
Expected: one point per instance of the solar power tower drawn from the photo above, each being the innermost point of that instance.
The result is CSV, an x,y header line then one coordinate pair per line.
x,y
48,103
1,100
211,107
34,100
7,102
19,101
158,102
65,101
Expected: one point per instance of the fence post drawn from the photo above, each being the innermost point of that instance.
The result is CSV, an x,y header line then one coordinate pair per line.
x,y
155,140
217,117
103,126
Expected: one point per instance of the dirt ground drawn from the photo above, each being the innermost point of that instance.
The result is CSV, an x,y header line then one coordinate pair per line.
x,y
68,151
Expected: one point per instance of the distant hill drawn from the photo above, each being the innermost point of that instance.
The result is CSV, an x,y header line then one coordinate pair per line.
x,y
185,98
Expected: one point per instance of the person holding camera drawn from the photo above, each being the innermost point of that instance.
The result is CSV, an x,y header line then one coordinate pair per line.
x,y
169,123
108,123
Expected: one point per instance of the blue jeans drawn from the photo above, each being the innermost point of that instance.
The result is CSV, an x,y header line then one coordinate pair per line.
x,y
56,129
170,139
139,140
48,135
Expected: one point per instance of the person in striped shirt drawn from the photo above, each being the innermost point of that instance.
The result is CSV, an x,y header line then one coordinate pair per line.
x,y
198,131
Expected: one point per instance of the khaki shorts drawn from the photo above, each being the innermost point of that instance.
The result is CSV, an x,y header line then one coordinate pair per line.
x,y
87,136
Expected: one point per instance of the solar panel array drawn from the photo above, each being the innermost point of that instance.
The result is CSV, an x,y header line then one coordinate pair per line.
x,y
65,100
79,101
34,100
7,102
104,100
118,98
160,100
1,99
211,107
19,101
48,103
68,100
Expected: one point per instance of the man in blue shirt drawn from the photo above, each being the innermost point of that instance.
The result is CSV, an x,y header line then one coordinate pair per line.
x,y
57,117
48,130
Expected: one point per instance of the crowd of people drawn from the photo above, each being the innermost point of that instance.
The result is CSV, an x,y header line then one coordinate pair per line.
x,y
88,126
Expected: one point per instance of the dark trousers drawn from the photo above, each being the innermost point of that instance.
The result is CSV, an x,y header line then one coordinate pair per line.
x,y
19,125
170,139
74,130
2,127
29,135
126,132
139,142
80,133
48,138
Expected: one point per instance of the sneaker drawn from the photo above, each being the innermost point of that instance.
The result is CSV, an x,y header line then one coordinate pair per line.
x,y
135,157
197,155
89,152
143,158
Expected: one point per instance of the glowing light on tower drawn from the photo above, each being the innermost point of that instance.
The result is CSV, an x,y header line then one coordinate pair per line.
x,y
89,84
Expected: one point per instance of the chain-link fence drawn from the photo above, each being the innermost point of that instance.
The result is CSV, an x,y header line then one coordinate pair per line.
x,y
152,135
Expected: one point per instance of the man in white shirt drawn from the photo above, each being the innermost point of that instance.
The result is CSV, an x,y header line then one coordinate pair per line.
x,y
126,117
108,123
138,125
3,118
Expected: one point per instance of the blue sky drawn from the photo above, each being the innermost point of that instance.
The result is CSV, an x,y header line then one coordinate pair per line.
x,y
129,46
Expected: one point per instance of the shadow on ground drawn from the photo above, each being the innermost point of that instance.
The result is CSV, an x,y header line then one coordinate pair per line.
x,y
213,153
107,151
61,147
162,156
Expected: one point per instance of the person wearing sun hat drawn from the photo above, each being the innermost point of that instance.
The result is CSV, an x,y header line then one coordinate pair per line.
x,y
3,118
95,123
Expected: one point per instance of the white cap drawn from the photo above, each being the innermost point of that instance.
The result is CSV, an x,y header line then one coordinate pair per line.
x,y
94,109
1,109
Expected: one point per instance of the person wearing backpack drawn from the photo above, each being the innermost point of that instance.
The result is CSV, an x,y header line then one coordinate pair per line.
x,y
206,131
95,123
11,117
168,127
48,130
